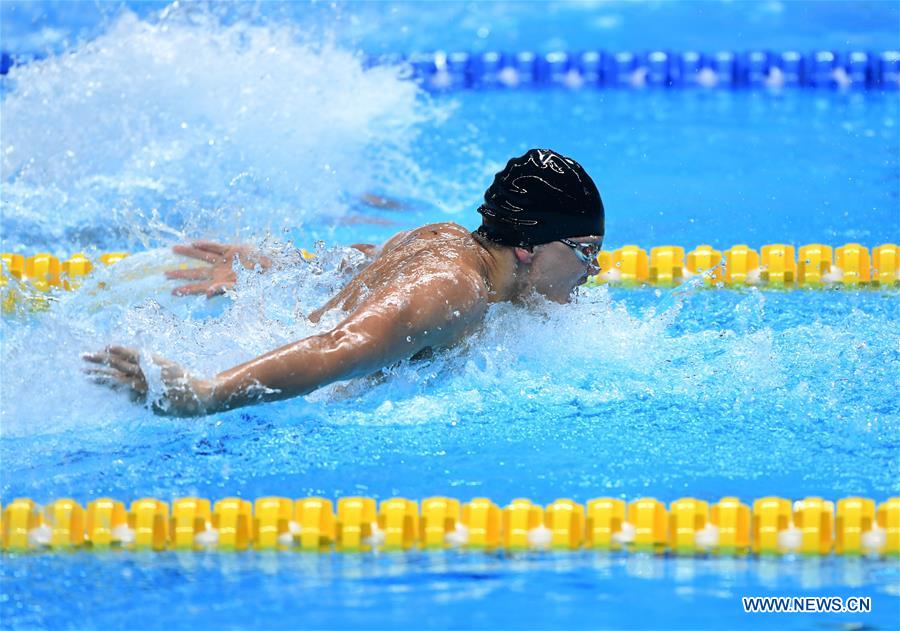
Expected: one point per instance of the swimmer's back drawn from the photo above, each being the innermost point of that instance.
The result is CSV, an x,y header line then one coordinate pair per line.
x,y
440,250
446,234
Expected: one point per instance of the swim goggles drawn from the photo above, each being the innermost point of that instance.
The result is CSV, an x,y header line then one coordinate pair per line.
x,y
586,252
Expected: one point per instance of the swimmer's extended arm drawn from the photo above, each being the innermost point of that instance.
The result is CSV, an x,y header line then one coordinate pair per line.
x,y
378,334
385,329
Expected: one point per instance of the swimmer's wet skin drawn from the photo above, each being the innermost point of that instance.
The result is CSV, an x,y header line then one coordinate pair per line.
x,y
542,227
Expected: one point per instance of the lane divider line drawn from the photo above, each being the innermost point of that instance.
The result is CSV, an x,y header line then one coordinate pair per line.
x,y
770,526
30,282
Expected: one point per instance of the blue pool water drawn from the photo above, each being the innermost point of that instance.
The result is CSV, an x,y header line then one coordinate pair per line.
x,y
380,27
230,125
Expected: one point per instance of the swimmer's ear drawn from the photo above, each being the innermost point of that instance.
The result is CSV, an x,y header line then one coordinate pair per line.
x,y
523,255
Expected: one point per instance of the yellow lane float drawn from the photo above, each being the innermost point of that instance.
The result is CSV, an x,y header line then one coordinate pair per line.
x,y
31,281
813,526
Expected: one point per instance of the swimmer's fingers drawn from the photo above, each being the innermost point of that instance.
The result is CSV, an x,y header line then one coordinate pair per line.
x,y
212,246
192,289
124,366
117,380
109,376
252,260
102,357
102,377
209,251
248,256
197,253
125,359
94,358
119,367
221,256
194,273
121,358
217,289
124,352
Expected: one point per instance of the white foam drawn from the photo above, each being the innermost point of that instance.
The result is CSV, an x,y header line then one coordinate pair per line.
x,y
775,79
540,538
376,539
707,77
873,541
40,536
286,540
707,537
841,78
834,275
790,539
458,537
612,275
123,534
625,535
754,276
186,122
208,538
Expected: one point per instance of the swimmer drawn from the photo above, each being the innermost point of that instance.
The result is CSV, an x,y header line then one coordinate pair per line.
x,y
542,229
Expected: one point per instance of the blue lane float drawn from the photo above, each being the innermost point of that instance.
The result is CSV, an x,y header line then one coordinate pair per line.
x,y
724,69
595,68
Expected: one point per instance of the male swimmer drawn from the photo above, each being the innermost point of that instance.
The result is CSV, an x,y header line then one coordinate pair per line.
x,y
542,228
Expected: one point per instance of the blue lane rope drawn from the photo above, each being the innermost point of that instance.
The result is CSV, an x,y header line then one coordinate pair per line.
x,y
755,69
441,71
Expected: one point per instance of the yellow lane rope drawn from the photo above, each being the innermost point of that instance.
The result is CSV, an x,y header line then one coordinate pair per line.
x,y
27,281
773,526
779,265
776,265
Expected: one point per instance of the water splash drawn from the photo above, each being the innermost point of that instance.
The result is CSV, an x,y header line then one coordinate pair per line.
x,y
729,391
630,387
182,124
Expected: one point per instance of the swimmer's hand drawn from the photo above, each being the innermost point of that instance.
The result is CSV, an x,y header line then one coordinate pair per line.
x,y
219,276
119,368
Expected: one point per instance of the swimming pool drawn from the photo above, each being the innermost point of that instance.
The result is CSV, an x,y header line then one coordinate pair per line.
x,y
226,127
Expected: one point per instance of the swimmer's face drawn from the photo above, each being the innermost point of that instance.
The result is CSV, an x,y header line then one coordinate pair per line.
x,y
557,270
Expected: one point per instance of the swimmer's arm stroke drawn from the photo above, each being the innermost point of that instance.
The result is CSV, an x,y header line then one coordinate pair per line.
x,y
219,276
375,336
385,329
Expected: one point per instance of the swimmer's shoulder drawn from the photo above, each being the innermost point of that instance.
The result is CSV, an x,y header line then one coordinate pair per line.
x,y
444,228
434,234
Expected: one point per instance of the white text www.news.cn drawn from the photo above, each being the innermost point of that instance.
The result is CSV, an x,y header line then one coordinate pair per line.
x,y
806,604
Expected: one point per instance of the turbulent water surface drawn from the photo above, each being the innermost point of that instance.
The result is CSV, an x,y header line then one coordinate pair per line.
x,y
158,129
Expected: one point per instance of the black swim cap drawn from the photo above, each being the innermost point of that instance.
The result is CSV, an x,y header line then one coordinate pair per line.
x,y
540,197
